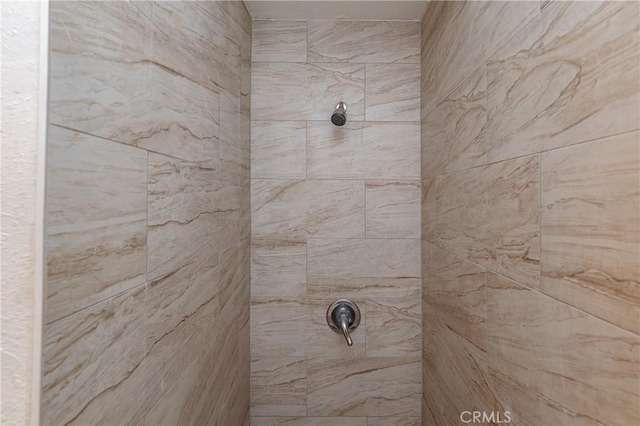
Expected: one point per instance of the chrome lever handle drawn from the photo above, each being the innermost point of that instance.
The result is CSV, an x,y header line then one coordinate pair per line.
x,y
344,326
343,316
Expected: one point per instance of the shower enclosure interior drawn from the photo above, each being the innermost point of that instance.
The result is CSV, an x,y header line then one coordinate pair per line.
x,y
346,220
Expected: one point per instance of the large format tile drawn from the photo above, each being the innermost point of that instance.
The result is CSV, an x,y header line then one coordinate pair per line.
x,y
490,215
392,92
363,151
394,421
363,288
308,421
394,327
278,149
193,212
279,386
292,209
572,76
453,134
551,361
392,209
357,258
278,268
96,219
279,41
235,152
282,91
127,345
364,41
279,327
370,386
591,228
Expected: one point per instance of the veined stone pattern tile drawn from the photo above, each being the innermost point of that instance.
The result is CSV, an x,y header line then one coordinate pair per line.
x,y
453,134
357,258
392,92
234,152
363,151
127,344
392,209
428,207
288,91
279,41
555,362
199,41
364,288
394,328
279,386
193,212
279,327
394,421
591,228
278,268
292,209
465,36
490,215
364,41
279,150
572,76
371,386
96,217
112,89
308,421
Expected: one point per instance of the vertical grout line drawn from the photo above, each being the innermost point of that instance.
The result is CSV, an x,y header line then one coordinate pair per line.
x,y
540,286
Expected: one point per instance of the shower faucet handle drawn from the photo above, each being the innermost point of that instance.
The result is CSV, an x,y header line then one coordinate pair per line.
x,y
343,316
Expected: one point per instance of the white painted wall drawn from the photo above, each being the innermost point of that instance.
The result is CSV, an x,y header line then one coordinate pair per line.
x,y
23,121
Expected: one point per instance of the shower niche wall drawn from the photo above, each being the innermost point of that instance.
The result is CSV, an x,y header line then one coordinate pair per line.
x,y
335,214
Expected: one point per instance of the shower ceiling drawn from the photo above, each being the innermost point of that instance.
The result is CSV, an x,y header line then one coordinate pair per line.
x,y
337,9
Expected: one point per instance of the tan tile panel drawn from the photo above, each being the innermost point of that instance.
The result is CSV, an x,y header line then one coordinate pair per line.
x,y
551,361
278,149
572,76
394,421
364,41
371,386
279,386
364,288
392,92
96,219
363,151
293,209
591,228
392,209
394,328
279,41
308,421
282,91
278,268
235,155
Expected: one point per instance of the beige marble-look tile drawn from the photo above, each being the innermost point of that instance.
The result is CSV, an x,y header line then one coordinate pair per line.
x,y
467,34
363,151
553,362
490,215
308,421
96,218
392,209
235,282
364,41
193,211
279,386
278,268
288,91
279,41
435,21
278,149
358,258
199,41
370,386
279,327
293,209
453,133
131,345
394,421
571,77
234,152
392,92
394,327
428,208
364,288
591,227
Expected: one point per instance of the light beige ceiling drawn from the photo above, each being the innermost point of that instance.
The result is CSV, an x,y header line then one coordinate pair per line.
x,y
360,10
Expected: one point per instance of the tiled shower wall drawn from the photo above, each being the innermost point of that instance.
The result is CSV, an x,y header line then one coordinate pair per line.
x,y
148,221
530,219
335,213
